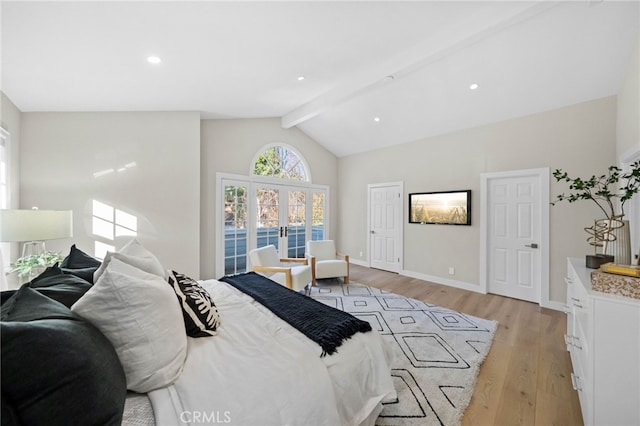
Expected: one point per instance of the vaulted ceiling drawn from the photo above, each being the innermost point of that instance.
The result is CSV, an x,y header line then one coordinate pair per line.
x,y
375,73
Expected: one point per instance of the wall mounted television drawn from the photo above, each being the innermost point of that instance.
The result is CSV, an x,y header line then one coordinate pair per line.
x,y
440,208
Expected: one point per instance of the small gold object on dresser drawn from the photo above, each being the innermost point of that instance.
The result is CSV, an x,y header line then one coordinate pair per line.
x,y
621,285
615,268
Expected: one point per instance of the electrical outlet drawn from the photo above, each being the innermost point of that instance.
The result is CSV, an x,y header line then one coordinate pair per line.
x,y
452,270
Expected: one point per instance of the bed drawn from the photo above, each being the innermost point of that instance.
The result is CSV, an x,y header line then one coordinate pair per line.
x,y
248,367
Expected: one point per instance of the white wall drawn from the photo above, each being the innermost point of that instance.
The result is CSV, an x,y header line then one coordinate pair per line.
x,y
10,120
60,152
579,139
628,120
229,146
628,136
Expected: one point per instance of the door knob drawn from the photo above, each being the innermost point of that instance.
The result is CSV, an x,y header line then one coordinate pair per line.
x,y
532,245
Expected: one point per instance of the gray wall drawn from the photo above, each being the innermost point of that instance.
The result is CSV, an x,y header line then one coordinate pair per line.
x,y
60,152
229,146
579,138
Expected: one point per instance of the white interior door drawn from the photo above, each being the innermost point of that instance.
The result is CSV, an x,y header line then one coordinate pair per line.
x,y
514,236
385,226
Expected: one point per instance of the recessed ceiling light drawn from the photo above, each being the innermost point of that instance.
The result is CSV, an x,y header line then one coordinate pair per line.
x,y
376,119
474,86
301,78
154,60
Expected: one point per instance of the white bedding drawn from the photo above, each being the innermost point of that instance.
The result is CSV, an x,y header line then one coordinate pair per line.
x,y
259,370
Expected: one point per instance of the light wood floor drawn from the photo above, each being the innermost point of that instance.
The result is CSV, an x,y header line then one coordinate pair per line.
x,y
526,378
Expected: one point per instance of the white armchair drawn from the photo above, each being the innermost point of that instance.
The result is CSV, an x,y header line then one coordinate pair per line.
x,y
265,261
326,262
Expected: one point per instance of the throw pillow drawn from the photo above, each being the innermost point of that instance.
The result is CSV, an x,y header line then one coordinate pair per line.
x,y
64,288
80,264
50,271
55,365
135,254
201,318
139,314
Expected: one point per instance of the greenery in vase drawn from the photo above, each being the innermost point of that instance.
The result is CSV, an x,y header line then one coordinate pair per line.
x,y
24,265
610,192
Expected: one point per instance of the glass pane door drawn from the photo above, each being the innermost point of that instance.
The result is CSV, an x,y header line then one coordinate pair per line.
x,y
256,214
318,216
268,217
295,230
235,229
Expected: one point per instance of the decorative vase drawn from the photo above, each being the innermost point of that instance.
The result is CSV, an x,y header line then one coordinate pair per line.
x,y
620,248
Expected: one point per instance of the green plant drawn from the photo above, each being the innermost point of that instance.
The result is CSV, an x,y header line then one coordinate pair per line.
x,y
601,190
24,265
609,191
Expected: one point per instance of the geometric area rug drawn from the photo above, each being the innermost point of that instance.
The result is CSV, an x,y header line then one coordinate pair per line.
x,y
438,352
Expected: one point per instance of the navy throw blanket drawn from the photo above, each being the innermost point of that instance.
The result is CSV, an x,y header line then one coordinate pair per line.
x,y
326,326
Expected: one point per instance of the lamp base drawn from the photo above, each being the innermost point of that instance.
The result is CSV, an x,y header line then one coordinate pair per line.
x,y
33,248
594,261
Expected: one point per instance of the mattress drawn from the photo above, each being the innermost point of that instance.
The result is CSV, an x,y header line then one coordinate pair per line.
x,y
138,410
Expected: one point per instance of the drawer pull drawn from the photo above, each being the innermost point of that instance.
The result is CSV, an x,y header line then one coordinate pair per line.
x,y
575,382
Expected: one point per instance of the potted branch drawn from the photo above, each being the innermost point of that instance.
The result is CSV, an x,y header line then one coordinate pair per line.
x,y
610,192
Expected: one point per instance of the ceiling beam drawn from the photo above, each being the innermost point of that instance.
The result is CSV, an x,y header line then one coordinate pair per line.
x,y
487,21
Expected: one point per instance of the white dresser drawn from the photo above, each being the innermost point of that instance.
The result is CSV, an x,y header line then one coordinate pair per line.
x,y
603,338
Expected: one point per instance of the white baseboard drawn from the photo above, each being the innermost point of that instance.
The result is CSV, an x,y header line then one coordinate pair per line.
x,y
549,304
430,278
553,304
359,262
444,281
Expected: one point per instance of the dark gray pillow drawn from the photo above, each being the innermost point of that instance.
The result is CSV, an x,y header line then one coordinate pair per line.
x,y
64,288
56,367
80,264
79,259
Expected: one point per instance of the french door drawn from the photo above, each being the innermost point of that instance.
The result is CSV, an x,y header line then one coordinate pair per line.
x,y
281,218
255,214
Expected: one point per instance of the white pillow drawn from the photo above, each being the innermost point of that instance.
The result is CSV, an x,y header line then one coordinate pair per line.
x,y
139,313
135,254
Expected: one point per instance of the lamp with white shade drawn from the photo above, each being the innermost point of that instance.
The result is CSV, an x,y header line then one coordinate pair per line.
x,y
34,227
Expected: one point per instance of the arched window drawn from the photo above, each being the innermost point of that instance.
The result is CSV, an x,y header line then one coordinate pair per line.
x,y
282,162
